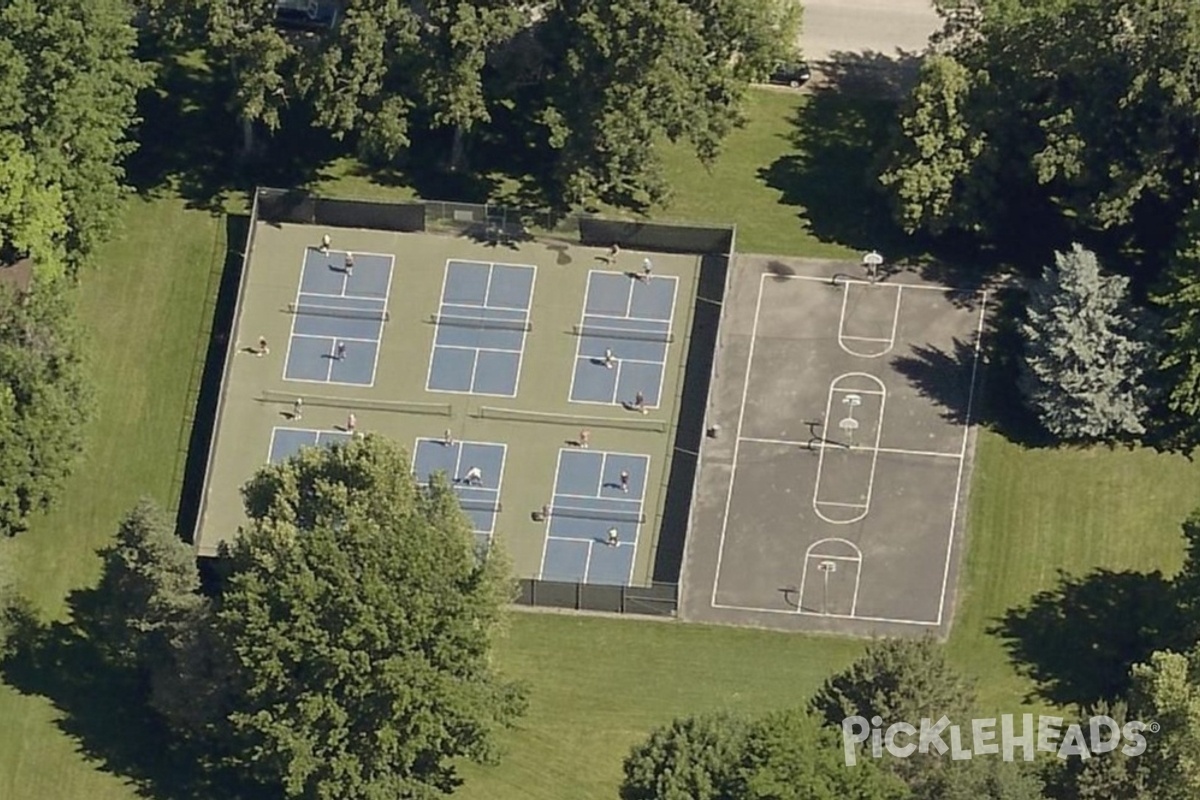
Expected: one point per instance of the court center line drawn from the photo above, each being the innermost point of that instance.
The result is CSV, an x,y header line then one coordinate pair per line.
x,y
474,369
587,564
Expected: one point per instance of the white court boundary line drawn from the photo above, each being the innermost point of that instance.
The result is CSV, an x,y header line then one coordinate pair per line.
x,y
852,448
316,432
637,526
963,461
859,282
433,347
457,463
808,556
874,449
292,335
584,314
738,438
891,341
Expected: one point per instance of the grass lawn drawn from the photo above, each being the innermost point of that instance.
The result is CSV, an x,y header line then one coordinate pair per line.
x,y
597,685
145,312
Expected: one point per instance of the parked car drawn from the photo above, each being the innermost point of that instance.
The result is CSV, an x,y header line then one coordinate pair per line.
x,y
794,74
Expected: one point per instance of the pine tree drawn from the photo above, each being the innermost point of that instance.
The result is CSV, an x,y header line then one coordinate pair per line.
x,y
1085,357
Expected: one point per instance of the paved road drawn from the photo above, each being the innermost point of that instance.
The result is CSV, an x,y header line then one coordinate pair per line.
x,y
857,26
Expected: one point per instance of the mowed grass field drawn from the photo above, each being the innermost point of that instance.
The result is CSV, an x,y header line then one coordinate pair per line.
x,y
597,685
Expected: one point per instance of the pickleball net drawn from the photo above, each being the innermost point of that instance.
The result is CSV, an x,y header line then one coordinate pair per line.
x,y
602,332
482,323
372,314
602,515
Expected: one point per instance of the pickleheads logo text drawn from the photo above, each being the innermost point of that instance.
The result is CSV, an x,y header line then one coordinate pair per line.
x,y
1004,736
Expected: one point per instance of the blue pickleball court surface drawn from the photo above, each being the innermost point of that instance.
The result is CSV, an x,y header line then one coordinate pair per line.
x,y
481,324
481,502
336,305
590,501
287,442
631,318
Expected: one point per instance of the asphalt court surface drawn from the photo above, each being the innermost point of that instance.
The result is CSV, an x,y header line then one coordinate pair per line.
x,y
338,318
287,442
843,493
595,518
482,321
480,501
632,319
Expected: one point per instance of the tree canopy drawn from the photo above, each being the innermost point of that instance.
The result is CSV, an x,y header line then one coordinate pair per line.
x,y
1079,112
44,398
1085,353
67,102
900,680
591,85
353,633
786,755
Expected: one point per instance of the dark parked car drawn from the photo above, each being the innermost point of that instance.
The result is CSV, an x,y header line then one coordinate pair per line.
x,y
794,74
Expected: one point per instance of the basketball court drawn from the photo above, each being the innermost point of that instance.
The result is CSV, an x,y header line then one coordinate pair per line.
x,y
833,494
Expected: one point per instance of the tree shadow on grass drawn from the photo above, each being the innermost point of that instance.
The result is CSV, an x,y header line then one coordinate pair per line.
x,y
1078,640
103,708
831,174
840,140
189,139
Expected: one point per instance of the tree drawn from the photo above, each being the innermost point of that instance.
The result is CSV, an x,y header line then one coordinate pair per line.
x,y
1110,776
367,76
1166,691
358,625
782,756
1084,355
44,399
934,174
789,756
1178,299
148,594
899,680
694,758
1078,110
70,88
986,778
32,212
621,76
